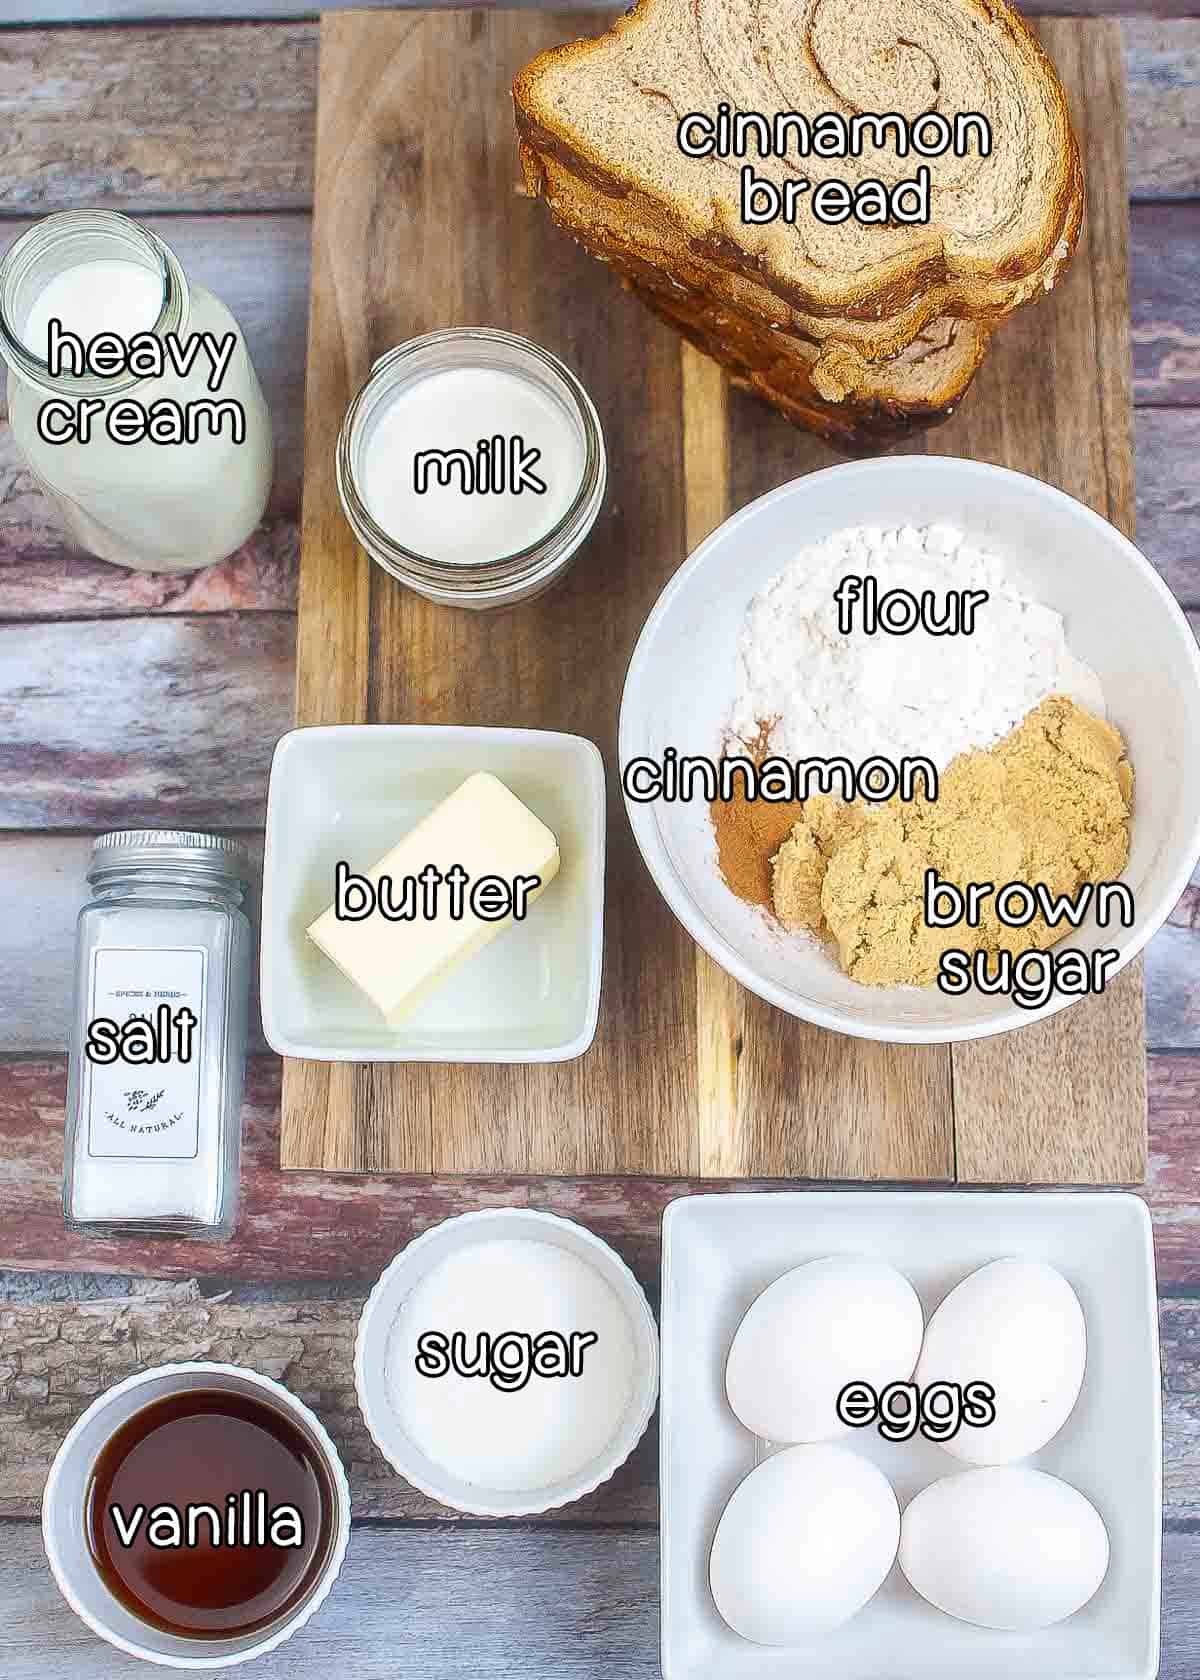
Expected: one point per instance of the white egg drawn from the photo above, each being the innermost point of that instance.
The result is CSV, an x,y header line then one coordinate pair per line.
x,y
1007,1548
1017,1325
804,1542
831,1322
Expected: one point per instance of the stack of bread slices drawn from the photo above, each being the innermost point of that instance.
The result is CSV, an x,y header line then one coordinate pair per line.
x,y
862,332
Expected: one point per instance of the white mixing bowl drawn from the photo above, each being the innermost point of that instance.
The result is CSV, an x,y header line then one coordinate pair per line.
x,y
1120,618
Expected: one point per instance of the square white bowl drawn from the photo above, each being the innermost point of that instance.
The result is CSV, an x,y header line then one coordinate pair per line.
x,y
720,1251
351,791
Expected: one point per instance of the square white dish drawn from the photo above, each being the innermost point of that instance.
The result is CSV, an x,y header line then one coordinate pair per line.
x,y
721,1251
351,792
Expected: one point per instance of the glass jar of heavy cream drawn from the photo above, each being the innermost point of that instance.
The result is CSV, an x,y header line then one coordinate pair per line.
x,y
158,1040
471,466
131,394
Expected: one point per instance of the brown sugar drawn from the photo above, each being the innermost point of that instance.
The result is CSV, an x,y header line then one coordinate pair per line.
x,y
1049,805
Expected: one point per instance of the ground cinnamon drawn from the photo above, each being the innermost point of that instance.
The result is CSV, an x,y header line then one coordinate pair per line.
x,y
749,833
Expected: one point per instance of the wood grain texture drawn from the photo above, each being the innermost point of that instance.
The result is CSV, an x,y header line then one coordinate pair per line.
x,y
1173,1186
165,143
865,1110
1172,980
720,1001
154,721
1165,302
40,577
1169,497
186,11
892,1115
570,1604
346,1227
44,882
206,118
339,687
1054,1101
801,1102
56,1357
42,885
433,222
260,266
472,1603
1065,1098
1162,64
335,588
1067,1095
26,12
565,1606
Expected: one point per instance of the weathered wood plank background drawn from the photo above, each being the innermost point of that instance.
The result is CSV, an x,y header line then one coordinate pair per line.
x,y
418,1602
125,698
18,12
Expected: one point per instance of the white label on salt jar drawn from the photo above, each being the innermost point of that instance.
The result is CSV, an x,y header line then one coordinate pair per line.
x,y
146,1109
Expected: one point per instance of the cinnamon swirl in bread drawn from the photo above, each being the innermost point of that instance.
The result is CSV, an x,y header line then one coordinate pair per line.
x,y
859,331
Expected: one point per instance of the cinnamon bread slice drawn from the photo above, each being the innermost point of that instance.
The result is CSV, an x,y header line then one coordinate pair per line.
x,y
857,408
1002,228
918,395
641,251
815,377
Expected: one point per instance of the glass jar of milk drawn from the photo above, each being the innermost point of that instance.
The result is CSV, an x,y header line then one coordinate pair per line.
x,y
472,466
131,394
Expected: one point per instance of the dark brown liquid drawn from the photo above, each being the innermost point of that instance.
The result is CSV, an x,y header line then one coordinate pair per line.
x,y
193,1449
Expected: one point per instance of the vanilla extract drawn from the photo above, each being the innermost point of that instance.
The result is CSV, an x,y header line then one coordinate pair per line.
x,y
210,1514
249,1519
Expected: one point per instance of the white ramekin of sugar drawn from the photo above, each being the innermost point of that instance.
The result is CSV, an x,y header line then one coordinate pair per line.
x,y
507,1362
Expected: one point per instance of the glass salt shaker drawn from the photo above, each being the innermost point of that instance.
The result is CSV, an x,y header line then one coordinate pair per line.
x,y
158,1040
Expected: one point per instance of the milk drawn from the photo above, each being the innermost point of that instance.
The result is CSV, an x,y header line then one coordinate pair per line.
x,y
148,505
504,436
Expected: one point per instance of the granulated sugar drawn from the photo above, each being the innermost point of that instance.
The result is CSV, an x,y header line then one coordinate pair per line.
x,y
509,1438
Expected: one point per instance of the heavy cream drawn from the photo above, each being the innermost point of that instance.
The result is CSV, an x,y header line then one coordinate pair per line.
x,y
470,464
150,432
106,295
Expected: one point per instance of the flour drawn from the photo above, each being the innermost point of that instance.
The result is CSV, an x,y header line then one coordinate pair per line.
x,y
828,695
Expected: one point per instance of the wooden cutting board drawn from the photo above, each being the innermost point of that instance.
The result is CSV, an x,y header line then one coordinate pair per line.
x,y
420,223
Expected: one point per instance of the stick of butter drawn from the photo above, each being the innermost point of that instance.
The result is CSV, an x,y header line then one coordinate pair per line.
x,y
485,830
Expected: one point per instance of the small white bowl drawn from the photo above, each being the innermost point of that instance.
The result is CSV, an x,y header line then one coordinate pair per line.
x,y
397,1283
1121,619
65,1537
351,792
